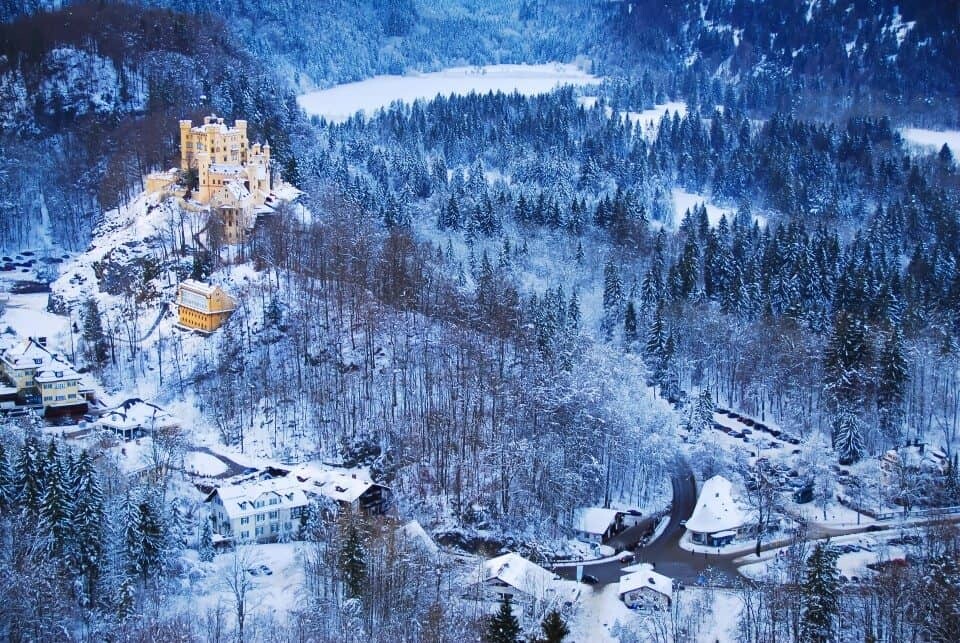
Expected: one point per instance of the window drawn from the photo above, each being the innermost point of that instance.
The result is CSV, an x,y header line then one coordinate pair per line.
x,y
259,531
245,520
274,501
287,526
260,518
274,515
274,528
244,535
296,512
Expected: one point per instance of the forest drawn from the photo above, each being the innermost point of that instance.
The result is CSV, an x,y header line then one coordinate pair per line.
x,y
493,303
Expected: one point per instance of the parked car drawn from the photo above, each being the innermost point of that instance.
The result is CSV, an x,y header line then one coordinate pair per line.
x,y
626,557
589,579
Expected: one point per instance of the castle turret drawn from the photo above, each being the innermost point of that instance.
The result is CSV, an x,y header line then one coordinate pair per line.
x,y
186,146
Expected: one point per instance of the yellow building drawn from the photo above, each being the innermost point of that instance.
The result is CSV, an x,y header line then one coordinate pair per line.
x,y
233,177
202,307
34,369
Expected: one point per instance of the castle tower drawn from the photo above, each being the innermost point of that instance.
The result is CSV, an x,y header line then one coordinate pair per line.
x,y
186,145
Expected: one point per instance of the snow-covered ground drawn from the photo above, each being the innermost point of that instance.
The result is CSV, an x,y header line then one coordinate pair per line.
x,y
683,201
933,140
339,103
648,120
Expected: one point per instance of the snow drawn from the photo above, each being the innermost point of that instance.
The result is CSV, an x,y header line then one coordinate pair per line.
x,y
28,317
417,535
203,464
649,119
339,103
134,413
933,138
517,572
239,499
684,200
594,520
716,508
646,577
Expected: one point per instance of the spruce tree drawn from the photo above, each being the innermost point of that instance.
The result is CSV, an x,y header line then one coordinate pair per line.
x,y
353,564
55,510
847,437
630,323
87,551
612,298
891,386
94,339
206,542
554,628
504,626
820,596
7,483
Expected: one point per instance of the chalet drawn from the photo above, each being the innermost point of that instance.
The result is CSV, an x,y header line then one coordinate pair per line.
x,y
511,575
135,417
597,524
201,306
717,518
349,491
916,457
646,589
258,511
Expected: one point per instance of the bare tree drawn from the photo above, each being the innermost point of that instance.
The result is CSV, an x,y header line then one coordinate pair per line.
x,y
239,582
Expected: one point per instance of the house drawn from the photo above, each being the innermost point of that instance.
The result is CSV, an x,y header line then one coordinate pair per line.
x,y
597,524
201,306
60,387
646,589
33,369
717,517
511,575
136,417
915,457
351,492
258,511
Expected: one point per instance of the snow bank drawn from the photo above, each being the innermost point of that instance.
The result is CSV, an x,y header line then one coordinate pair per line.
x,y
933,138
339,103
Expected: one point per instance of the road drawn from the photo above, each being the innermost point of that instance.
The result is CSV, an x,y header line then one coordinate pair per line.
x,y
664,552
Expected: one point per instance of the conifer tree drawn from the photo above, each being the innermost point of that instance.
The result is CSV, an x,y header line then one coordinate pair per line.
x,y
891,385
847,437
55,510
504,626
7,483
554,628
206,542
820,596
612,297
94,339
88,523
630,323
353,564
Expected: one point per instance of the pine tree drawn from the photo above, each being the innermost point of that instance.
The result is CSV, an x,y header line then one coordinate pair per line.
x,y
143,538
7,483
700,414
504,626
55,510
87,550
28,477
206,542
630,323
554,628
820,596
847,437
353,564
94,339
891,386
612,297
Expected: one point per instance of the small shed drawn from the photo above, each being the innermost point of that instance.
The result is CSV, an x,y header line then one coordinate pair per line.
x,y
646,589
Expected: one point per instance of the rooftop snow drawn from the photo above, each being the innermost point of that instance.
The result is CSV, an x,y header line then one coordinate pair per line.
x,y
517,572
716,509
135,413
241,499
646,578
594,520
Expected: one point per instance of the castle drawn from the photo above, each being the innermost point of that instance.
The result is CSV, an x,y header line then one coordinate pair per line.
x,y
233,177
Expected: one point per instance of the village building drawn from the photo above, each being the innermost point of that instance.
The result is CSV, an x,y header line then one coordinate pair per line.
x,y
258,511
511,575
597,524
717,518
201,306
646,589
350,491
914,458
135,417
36,372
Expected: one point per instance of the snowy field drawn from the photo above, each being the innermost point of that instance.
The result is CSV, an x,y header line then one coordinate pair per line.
x,y
933,139
683,201
339,103
648,119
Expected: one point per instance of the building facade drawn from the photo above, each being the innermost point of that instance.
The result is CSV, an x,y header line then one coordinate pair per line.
x,y
233,177
202,306
34,370
259,511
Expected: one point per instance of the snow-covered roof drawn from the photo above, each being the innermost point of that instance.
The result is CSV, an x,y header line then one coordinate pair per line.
x,y
198,286
56,371
716,508
27,353
517,572
236,191
594,520
226,168
342,488
249,498
137,414
648,578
